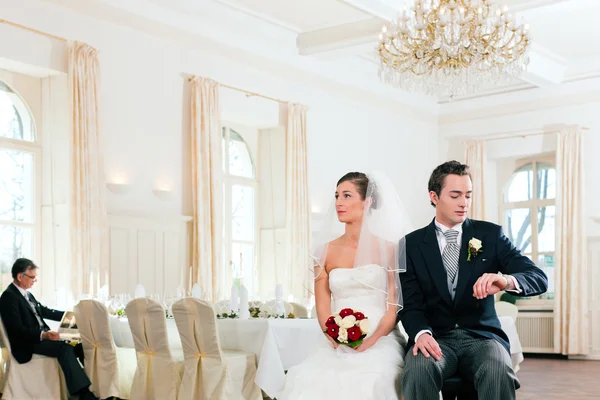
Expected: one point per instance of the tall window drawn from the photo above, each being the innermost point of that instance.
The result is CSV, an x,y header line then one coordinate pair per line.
x,y
529,215
240,226
19,155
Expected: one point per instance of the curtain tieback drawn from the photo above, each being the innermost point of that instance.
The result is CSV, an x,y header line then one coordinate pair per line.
x,y
149,352
200,355
96,345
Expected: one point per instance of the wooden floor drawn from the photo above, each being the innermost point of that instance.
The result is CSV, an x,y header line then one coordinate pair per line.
x,y
547,379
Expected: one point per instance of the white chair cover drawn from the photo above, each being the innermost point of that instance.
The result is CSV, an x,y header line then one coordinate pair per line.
x,y
313,312
299,310
211,373
111,369
158,375
39,379
271,307
504,308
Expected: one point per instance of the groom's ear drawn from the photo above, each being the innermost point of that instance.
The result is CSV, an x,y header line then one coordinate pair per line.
x,y
433,197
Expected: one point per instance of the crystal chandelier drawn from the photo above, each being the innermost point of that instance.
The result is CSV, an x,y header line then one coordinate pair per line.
x,y
452,47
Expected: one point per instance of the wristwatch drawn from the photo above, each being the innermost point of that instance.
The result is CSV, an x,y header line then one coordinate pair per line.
x,y
506,279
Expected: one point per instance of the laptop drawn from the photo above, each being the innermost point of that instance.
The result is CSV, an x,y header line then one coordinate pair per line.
x,y
67,328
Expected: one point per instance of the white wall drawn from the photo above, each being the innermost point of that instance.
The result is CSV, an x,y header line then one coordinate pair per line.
x,y
145,104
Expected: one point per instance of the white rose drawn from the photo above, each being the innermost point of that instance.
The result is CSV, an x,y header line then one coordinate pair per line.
x,y
337,319
343,335
348,321
475,244
363,324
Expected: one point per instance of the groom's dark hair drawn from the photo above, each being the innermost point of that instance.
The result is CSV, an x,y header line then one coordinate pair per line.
x,y
439,174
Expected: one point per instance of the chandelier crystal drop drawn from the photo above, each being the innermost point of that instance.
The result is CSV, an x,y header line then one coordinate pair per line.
x,y
452,47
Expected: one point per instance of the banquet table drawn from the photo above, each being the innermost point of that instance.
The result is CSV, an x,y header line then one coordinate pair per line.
x,y
278,344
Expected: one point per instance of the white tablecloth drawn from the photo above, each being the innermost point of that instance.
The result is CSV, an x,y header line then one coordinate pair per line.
x,y
516,351
277,343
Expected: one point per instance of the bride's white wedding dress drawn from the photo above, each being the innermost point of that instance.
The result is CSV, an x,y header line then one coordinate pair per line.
x,y
343,372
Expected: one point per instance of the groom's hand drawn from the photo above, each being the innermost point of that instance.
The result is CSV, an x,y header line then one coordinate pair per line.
x,y
489,284
428,346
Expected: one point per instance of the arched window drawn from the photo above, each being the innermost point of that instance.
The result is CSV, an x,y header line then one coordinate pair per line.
x,y
529,213
240,225
18,157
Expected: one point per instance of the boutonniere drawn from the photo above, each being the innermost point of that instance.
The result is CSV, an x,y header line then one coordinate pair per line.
x,y
474,248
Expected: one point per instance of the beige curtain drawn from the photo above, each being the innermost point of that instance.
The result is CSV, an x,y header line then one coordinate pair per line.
x,y
475,157
571,327
207,235
297,205
89,220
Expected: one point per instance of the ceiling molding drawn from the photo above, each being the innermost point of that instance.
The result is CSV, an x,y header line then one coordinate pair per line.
x,y
516,108
376,8
260,16
536,4
204,33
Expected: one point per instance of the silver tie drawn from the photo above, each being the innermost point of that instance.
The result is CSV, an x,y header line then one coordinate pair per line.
x,y
451,254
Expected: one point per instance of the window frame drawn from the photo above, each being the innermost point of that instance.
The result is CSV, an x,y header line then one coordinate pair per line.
x,y
228,182
533,205
35,149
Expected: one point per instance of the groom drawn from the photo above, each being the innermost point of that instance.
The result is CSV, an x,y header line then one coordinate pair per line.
x,y
455,265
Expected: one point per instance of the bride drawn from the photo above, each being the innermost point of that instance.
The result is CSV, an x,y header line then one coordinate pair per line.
x,y
357,258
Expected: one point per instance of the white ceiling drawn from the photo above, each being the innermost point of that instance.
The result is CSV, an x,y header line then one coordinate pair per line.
x,y
301,16
334,40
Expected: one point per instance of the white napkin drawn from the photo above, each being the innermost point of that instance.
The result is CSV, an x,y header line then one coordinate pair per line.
x,y
279,307
244,312
234,302
196,291
103,294
140,291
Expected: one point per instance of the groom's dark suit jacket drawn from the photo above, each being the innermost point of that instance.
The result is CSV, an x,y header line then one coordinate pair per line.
x,y
427,301
22,327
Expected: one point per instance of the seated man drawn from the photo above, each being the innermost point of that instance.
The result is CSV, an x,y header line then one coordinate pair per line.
x,y
27,332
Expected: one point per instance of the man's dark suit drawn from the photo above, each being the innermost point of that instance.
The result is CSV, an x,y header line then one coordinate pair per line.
x,y
427,301
24,334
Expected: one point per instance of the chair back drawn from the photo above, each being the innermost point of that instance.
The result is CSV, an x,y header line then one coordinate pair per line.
x,y
505,309
206,375
299,310
155,377
101,364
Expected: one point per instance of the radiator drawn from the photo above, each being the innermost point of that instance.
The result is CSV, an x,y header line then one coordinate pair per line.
x,y
536,331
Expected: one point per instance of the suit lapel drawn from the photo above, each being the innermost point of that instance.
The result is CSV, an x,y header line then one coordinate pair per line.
x,y
433,260
24,300
464,267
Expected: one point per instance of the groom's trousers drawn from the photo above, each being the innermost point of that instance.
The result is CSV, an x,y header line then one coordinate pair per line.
x,y
483,361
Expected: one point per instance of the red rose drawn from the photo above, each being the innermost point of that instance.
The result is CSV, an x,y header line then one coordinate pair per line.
x,y
354,333
358,315
333,331
330,321
345,312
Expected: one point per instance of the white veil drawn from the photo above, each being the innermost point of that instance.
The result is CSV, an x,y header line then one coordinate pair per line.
x,y
381,242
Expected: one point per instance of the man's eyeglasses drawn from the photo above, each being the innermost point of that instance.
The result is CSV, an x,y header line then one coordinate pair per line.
x,y
33,278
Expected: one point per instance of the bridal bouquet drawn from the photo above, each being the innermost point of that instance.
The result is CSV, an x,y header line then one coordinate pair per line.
x,y
349,327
